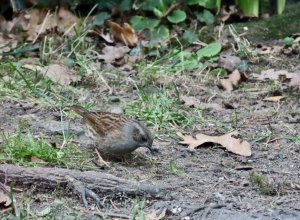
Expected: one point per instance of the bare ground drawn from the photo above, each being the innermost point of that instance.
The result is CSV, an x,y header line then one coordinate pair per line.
x,y
206,183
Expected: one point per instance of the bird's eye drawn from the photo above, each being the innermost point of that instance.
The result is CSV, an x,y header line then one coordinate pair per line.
x,y
144,139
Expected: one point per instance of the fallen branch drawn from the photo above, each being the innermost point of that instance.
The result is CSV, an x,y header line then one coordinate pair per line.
x,y
51,178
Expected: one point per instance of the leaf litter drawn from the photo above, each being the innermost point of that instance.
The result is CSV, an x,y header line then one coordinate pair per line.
x,y
57,73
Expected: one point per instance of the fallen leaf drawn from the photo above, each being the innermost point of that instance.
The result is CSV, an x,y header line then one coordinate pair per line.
x,y
233,145
56,72
5,200
234,79
111,53
124,34
274,98
229,62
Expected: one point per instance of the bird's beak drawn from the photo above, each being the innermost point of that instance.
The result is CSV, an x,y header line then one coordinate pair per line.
x,y
151,149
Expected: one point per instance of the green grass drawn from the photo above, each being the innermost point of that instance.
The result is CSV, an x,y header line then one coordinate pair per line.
x,y
160,110
30,151
262,184
174,169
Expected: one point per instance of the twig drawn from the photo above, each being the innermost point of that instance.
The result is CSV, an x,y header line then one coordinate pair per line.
x,y
171,9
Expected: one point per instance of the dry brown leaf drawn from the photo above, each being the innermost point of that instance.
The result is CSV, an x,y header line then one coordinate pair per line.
x,y
5,200
42,20
234,79
232,144
112,53
274,98
56,72
125,34
229,62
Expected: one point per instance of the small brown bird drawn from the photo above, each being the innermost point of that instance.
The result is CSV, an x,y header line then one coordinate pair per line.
x,y
114,134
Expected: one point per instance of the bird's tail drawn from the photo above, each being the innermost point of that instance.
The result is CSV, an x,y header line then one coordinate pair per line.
x,y
79,110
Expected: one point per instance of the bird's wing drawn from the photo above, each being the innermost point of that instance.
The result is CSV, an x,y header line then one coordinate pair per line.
x,y
104,122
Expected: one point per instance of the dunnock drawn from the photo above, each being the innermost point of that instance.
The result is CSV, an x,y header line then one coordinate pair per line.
x,y
114,134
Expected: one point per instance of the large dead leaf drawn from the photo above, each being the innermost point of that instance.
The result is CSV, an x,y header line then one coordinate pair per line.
x,y
36,22
56,72
124,34
232,144
112,53
234,79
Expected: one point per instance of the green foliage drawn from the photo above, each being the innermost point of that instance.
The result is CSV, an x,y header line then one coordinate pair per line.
x,y
21,150
289,41
140,23
159,8
205,17
100,18
209,51
176,170
160,33
29,151
262,184
190,37
249,7
210,4
177,16
160,110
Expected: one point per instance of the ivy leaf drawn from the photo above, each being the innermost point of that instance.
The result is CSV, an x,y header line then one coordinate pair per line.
x,y
139,23
177,16
190,37
206,17
100,18
160,33
209,50
158,13
125,5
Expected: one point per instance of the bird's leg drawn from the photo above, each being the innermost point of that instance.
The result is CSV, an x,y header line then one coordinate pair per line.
x,y
85,192
100,159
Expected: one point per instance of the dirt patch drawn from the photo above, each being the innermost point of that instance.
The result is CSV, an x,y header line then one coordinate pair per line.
x,y
206,183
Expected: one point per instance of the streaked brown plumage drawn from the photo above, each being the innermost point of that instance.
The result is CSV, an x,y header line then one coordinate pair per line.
x,y
114,134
